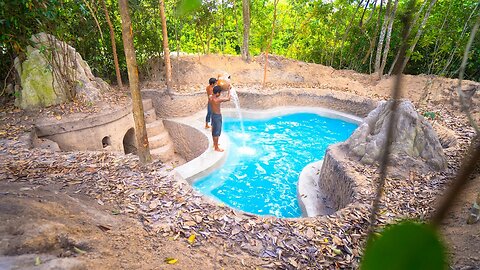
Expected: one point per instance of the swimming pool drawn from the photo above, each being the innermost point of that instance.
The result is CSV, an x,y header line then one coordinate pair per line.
x,y
261,170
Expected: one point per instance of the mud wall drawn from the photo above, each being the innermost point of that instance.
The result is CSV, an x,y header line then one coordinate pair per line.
x,y
188,142
180,105
177,105
339,181
334,181
88,133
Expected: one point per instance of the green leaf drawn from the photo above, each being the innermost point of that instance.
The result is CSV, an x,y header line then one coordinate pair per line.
x,y
430,115
187,6
405,245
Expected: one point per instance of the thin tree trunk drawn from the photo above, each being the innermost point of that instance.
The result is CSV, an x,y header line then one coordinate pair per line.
x,y
114,46
378,57
166,51
458,40
372,41
435,50
334,47
387,40
419,33
360,23
275,3
246,30
143,150
373,11
417,15
346,32
222,43
94,17
236,25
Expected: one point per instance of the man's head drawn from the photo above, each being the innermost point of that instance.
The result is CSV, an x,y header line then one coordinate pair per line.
x,y
217,90
212,81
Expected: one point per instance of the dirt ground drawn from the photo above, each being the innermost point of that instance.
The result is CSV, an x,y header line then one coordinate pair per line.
x,y
51,217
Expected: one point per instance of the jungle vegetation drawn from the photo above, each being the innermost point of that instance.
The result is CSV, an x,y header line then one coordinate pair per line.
x,y
362,35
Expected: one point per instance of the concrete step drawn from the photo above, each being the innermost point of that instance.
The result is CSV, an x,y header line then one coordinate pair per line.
x,y
147,104
150,116
159,140
155,128
164,153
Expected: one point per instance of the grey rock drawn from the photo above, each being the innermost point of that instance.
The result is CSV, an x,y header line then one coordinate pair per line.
x,y
414,142
53,72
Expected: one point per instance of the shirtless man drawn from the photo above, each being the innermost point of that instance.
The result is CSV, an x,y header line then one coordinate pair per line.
x,y
215,101
209,89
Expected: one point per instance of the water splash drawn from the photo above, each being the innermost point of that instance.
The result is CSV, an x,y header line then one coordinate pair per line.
x,y
247,151
236,101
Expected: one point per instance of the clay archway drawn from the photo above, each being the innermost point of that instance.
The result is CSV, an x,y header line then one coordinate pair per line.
x,y
129,145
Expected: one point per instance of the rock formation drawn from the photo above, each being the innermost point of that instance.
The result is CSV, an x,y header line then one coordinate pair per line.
x,y
414,142
53,72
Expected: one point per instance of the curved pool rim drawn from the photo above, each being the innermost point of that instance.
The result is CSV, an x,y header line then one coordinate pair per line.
x,y
210,160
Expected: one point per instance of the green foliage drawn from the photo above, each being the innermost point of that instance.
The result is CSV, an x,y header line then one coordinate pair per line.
x,y
430,115
406,245
336,33
187,6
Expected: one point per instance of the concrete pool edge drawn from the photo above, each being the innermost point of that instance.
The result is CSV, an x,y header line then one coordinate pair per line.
x,y
210,160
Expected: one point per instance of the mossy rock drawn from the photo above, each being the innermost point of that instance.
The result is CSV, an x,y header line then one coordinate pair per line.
x,y
37,82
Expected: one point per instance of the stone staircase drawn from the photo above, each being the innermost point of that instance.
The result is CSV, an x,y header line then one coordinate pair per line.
x,y
161,145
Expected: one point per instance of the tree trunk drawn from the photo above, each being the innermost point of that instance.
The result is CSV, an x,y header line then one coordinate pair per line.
x,y
114,46
166,51
236,25
222,43
435,50
387,40
246,29
449,61
94,17
360,23
419,33
143,150
378,57
414,22
372,41
346,32
270,42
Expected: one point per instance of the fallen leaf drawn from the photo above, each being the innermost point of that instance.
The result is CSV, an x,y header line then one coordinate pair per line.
x,y
104,228
37,261
170,260
336,251
79,251
191,238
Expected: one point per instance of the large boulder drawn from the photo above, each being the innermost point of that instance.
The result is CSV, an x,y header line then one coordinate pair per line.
x,y
414,143
53,72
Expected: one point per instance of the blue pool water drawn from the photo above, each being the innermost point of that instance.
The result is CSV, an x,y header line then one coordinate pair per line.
x,y
263,180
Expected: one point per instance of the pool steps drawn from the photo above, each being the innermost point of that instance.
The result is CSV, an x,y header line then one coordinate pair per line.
x,y
161,145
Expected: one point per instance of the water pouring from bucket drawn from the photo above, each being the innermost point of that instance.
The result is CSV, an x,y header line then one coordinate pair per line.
x,y
225,83
244,149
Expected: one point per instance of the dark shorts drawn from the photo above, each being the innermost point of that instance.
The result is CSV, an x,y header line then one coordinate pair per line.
x,y
209,113
216,124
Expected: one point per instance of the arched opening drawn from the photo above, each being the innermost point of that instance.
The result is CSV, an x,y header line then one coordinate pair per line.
x,y
106,141
129,145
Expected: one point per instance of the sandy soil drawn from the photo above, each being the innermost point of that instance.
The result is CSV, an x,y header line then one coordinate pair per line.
x,y
48,224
